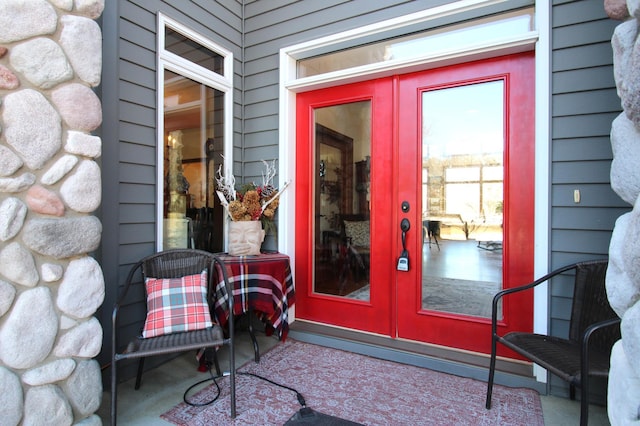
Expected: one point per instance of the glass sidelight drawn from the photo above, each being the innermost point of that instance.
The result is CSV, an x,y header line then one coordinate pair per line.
x,y
193,124
342,200
462,196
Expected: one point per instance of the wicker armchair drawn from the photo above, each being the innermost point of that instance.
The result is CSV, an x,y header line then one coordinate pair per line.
x,y
594,328
168,264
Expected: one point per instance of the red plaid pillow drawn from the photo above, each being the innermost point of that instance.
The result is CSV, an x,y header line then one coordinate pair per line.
x,y
176,304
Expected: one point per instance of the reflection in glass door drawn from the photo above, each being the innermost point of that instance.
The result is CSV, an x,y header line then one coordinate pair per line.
x,y
462,197
342,194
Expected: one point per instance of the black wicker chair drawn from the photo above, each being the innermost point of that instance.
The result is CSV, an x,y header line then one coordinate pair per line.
x,y
172,264
594,328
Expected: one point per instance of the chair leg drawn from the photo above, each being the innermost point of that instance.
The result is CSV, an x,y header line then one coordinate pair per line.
x,y
216,363
114,392
492,371
139,375
584,401
572,392
232,380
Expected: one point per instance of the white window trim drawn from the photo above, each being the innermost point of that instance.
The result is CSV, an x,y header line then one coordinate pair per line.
x,y
184,67
539,40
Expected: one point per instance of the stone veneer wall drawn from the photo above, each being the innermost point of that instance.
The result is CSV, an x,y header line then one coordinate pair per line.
x,y
50,184
623,274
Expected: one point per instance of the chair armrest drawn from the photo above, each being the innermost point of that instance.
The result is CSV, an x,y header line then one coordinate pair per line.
x,y
119,301
500,294
586,336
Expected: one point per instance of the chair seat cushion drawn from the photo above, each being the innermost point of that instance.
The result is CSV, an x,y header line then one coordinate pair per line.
x,y
176,305
560,356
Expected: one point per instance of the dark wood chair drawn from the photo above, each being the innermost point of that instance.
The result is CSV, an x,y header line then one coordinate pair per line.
x,y
169,264
594,328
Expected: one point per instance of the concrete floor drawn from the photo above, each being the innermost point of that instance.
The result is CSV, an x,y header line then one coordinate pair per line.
x,y
163,388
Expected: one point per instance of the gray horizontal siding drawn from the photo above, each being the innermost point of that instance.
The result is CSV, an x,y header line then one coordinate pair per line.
x,y
583,79
130,133
581,149
584,103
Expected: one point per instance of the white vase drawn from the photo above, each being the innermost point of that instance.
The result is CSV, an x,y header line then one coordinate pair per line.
x,y
245,237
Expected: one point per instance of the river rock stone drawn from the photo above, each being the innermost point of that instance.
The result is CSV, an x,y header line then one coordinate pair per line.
x,y
18,265
92,420
631,244
17,184
11,404
625,395
66,323
41,61
46,405
83,144
50,272
634,8
8,79
63,237
9,162
621,291
82,341
43,201
21,19
7,294
79,106
63,4
630,337
82,191
90,8
12,214
616,9
59,169
52,372
81,40
622,41
28,334
32,127
81,291
626,149
84,387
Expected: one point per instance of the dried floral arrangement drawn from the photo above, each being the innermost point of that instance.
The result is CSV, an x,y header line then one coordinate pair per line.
x,y
251,201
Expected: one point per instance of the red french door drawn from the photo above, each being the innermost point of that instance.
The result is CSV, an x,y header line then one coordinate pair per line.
x,y
415,202
344,158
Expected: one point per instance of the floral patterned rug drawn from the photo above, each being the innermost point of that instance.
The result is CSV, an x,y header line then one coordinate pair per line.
x,y
358,388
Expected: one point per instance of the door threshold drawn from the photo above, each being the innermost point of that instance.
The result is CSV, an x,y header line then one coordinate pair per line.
x,y
458,362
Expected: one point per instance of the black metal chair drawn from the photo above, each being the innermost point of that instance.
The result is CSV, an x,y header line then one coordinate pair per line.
x,y
176,263
594,328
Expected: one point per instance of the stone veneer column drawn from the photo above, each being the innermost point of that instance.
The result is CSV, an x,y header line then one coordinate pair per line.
x,y
50,183
623,274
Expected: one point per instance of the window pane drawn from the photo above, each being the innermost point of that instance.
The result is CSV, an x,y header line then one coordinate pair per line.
x,y
193,124
182,46
438,40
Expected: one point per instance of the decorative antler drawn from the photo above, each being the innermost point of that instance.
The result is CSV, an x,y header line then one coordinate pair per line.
x,y
226,184
267,178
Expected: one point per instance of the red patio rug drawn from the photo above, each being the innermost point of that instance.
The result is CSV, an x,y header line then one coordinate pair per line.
x,y
357,388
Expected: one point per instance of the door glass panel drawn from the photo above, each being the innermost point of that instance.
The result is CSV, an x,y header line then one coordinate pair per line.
x,y
462,195
193,124
341,200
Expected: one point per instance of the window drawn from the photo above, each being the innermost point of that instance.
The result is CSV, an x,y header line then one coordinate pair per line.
x,y
194,123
